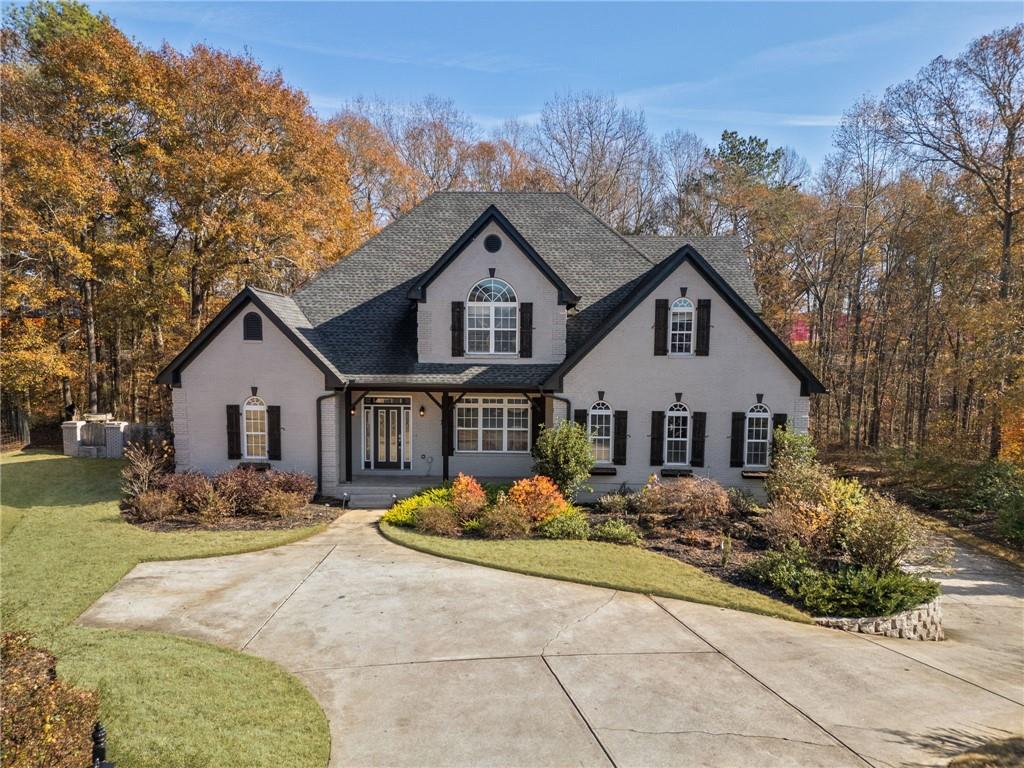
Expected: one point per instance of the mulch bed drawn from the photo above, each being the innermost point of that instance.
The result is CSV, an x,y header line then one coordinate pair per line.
x,y
701,548
312,514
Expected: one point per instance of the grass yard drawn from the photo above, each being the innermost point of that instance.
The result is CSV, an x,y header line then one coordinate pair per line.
x,y
167,702
630,569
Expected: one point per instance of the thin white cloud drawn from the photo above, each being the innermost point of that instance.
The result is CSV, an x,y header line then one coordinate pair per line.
x,y
747,117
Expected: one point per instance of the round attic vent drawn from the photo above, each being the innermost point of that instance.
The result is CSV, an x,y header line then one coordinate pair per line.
x,y
492,243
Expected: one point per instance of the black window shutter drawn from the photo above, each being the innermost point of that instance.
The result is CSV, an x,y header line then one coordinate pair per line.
x,y
698,428
526,329
657,438
234,432
739,419
536,419
661,327
619,447
458,329
274,432
580,417
703,327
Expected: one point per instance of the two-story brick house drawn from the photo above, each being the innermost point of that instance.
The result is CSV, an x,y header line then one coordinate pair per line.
x,y
443,343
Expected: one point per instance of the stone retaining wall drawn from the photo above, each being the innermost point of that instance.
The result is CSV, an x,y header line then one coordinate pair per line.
x,y
921,623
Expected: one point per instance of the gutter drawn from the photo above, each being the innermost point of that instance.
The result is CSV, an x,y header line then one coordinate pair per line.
x,y
567,401
320,439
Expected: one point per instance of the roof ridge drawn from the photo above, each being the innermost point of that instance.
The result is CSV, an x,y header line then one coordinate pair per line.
x,y
604,224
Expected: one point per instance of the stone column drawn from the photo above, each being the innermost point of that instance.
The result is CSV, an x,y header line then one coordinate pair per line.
x,y
113,434
72,433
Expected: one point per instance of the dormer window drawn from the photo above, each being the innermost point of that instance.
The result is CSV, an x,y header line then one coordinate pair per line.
x,y
492,313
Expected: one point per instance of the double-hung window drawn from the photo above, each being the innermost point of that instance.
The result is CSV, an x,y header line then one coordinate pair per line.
x,y
599,427
758,432
677,434
681,327
492,425
492,319
254,415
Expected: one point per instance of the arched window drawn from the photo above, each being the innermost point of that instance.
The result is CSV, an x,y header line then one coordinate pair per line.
x,y
599,427
492,318
252,327
254,417
677,434
758,432
680,327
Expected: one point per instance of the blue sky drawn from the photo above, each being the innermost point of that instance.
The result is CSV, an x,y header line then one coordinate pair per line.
x,y
784,71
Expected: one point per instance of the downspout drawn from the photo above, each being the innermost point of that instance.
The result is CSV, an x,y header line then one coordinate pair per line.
x,y
320,439
567,401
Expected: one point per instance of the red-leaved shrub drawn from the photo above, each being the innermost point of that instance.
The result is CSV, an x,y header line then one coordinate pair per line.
x,y
468,497
538,497
244,488
298,483
46,723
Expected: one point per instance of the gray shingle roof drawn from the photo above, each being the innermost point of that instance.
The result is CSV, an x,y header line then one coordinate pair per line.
x,y
358,316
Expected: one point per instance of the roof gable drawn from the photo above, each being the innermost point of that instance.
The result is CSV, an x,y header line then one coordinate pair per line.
x,y
282,312
643,287
418,291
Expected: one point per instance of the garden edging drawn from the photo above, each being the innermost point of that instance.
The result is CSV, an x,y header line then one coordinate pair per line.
x,y
921,623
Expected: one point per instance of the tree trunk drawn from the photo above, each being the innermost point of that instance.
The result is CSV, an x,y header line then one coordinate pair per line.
x,y
92,365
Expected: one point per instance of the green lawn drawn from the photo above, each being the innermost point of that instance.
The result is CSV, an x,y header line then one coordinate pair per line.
x,y
631,569
165,701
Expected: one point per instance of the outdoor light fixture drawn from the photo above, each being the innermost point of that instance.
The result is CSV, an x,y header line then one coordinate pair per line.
x,y
352,411
423,411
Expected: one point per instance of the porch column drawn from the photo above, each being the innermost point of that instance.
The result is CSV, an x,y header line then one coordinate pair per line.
x,y
446,433
348,435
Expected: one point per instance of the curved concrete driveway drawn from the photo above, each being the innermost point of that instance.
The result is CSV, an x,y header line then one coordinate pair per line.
x,y
420,661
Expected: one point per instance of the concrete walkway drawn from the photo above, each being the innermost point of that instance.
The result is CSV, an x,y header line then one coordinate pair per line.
x,y
420,661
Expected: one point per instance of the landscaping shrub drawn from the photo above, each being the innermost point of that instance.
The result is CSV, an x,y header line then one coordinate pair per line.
x,y
504,520
796,475
194,492
878,533
293,482
436,519
145,465
280,503
468,497
154,505
46,722
538,497
615,503
570,524
615,531
244,488
689,499
806,523
850,591
403,513
564,455
493,490
742,503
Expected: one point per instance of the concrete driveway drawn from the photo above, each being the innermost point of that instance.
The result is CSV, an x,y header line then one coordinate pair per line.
x,y
420,661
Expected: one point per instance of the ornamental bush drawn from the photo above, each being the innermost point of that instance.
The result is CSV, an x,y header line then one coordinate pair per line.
x,y
298,483
244,488
146,463
689,500
616,531
1010,521
150,506
194,492
538,497
564,455
281,503
468,497
850,591
615,503
403,513
504,520
46,723
437,520
878,533
570,524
